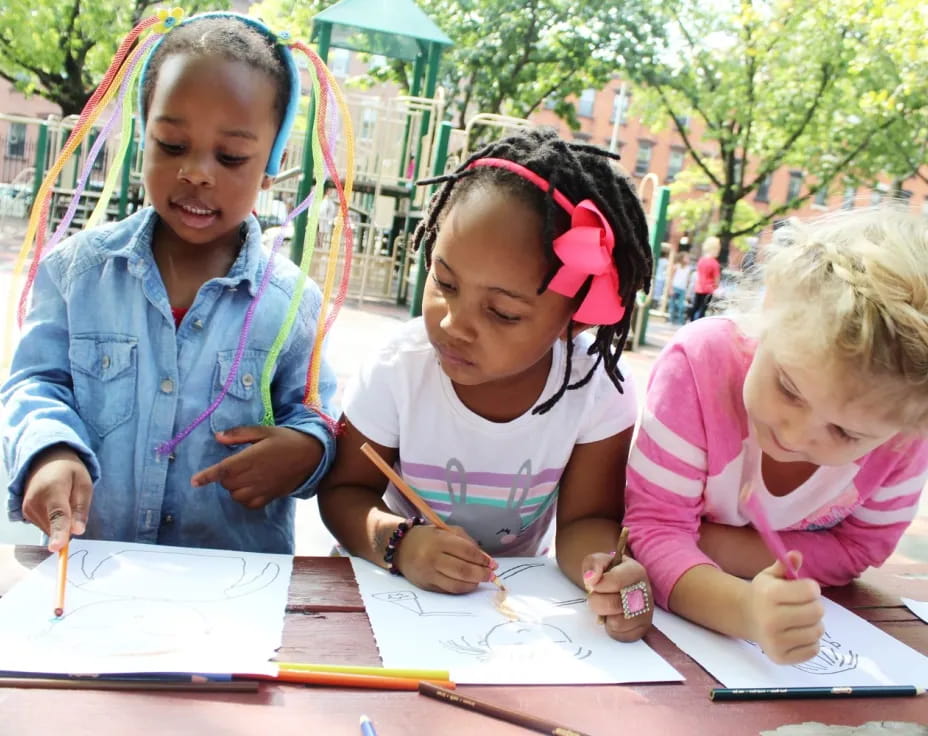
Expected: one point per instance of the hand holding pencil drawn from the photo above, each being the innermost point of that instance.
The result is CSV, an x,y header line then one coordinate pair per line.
x,y
437,557
619,592
57,495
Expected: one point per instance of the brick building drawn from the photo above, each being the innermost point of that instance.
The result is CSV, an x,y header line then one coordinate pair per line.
x,y
664,153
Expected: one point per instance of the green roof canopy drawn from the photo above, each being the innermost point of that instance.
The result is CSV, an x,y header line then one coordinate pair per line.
x,y
394,28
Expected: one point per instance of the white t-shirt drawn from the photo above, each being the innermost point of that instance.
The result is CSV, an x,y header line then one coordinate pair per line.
x,y
498,480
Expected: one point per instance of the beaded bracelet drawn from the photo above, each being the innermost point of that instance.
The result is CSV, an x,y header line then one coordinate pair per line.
x,y
396,537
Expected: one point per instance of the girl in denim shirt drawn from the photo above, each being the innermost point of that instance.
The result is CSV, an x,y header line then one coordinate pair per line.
x,y
134,340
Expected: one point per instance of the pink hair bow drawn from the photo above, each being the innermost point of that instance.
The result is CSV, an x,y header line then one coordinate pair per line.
x,y
584,250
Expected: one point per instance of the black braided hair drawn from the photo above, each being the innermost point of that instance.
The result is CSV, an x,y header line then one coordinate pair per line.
x,y
579,171
230,38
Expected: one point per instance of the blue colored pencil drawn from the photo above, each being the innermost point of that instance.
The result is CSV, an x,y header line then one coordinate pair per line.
x,y
367,728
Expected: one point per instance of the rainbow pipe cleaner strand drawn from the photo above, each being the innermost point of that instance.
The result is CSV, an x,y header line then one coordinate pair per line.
x,y
121,82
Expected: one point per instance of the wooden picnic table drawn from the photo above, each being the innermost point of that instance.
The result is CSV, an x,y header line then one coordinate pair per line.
x,y
326,622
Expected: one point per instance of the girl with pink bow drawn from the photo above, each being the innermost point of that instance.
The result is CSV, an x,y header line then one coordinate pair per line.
x,y
497,406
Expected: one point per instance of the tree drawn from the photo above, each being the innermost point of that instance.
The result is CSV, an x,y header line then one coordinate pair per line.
x,y
59,49
827,88
511,56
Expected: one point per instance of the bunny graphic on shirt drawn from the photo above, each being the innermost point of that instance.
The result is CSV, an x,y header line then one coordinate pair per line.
x,y
494,528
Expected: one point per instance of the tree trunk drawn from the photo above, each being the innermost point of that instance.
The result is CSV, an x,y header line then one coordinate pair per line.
x,y
726,225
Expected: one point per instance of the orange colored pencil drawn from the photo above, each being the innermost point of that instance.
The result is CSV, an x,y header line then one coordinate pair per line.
x,y
414,498
62,580
344,679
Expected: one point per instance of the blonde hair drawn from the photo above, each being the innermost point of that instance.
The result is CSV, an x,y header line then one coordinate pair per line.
x,y
712,246
852,287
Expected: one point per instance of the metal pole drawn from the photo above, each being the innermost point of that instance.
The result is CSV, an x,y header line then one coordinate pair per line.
x,y
659,211
306,180
619,113
126,173
438,168
41,154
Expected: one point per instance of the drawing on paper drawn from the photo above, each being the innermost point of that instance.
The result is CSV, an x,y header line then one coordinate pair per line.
x,y
160,623
117,576
513,571
409,601
518,642
830,660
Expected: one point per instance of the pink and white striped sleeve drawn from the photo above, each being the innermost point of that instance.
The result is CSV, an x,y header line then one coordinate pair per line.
x,y
666,475
871,532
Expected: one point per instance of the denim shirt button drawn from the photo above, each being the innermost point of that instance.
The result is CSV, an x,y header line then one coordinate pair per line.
x,y
247,380
198,324
168,518
167,385
105,362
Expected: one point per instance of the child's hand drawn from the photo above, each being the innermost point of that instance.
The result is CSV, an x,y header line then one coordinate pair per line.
x,y
279,460
443,561
608,589
57,495
786,614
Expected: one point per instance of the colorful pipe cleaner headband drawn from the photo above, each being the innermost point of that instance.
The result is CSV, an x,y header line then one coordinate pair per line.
x,y
173,20
125,71
585,251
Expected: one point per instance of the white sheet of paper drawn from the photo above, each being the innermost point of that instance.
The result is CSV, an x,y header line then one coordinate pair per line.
x,y
919,608
147,608
853,652
555,641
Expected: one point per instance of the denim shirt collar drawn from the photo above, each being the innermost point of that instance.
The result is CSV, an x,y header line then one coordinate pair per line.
x,y
137,249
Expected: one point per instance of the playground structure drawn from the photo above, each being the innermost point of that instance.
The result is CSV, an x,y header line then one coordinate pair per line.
x,y
398,140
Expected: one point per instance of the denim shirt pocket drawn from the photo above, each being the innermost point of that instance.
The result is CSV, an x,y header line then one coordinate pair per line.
x,y
242,405
105,373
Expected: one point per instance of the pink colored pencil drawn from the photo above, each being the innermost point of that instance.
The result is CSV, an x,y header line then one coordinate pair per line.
x,y
757,517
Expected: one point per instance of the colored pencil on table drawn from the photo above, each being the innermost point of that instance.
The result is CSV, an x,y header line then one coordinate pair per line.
x,y
757,517
367,728
784,693
99,683
343,679
62,580
494,711
411,495
355,670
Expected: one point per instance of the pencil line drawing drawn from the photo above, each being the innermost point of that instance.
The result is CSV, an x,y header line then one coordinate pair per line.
x,y
513,571
830,660
409,601
118,576
518,642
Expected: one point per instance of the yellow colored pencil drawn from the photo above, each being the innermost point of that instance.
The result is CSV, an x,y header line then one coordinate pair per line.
x,y
354,670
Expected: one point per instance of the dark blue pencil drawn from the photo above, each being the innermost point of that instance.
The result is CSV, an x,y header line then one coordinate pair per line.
x,y
783,693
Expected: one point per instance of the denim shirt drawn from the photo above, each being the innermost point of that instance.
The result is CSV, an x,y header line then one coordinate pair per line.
x,y
101,367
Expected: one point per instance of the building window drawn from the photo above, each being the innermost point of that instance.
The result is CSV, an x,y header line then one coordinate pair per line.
x,y
675,163
620,104
821,197
550,103
795,185
585,106
582,136
737,170
847,199
16,142
876,195
763,189
925,206
338,62
643,159
904,195
368,122
682,121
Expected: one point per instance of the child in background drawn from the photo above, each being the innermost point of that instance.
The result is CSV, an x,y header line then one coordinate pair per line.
x,y
708,275
142,329
497,408
680,281
815,402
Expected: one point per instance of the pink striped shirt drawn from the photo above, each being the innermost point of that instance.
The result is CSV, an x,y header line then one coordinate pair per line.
x,y
694,451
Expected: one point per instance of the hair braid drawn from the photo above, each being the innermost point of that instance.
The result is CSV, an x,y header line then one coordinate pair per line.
x,y
580,171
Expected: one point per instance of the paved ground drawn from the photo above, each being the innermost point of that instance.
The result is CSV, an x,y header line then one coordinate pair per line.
x,y
357,328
